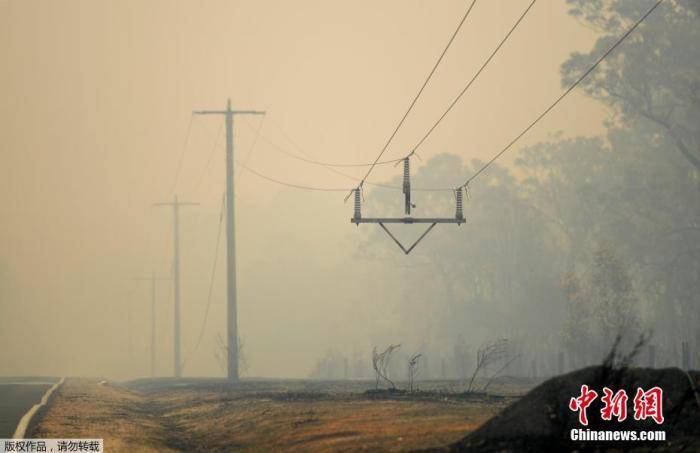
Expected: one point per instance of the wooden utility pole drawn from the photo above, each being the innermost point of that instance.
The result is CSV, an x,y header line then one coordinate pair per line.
x,y
153,280
177,363
231,307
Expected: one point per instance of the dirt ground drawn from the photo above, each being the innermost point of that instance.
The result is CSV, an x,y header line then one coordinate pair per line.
x,y
208,415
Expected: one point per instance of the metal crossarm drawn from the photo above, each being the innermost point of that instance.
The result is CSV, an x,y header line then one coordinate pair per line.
x,y
408,220
407,250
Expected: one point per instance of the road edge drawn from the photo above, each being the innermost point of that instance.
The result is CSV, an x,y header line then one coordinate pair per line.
x,y
23,425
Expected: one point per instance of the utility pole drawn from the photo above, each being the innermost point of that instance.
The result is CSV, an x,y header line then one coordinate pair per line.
x,y
231,308
177,363
153,280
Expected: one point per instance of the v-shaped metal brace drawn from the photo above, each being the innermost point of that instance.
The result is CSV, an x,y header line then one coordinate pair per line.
x,y
407,250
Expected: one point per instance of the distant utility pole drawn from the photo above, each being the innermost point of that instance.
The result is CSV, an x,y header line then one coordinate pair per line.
x,y
153,280
231,309
177,363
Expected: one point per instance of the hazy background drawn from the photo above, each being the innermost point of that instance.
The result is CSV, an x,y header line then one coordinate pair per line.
x,y
97,101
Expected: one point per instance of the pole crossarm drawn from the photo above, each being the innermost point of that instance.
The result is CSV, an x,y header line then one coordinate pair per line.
x,y
407,220
231,112
175,203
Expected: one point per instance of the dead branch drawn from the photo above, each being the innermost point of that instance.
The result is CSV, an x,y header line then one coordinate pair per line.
x,y
412,370
487,355
380,363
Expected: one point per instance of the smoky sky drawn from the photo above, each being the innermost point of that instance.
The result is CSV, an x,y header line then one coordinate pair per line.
x,y
96,117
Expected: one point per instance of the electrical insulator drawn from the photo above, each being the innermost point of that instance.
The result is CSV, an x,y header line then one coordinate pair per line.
x,y
407,185
406,176
459,213
358,213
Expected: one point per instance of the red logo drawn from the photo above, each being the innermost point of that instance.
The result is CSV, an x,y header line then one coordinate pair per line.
x,y
614,405
647,404
581,403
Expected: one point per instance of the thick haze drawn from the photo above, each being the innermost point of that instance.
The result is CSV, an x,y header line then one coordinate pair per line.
x,y
97,101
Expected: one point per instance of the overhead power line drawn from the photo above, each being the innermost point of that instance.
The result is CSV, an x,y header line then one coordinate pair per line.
x,y
509,145
329,167
211,154
499,154
324,164
332,189
211,283
307,157
252,147
420,91
244,165
476,75
332,168
564,94
182,154
289,184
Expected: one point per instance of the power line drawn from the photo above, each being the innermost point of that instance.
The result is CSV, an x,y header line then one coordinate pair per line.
x,y
571,88
182,153
415,99
377,162
277,181
476,75
330,189
197,186
301,150
338,172
563,95
310,160
327,164
252,147
211,284
211,154
288,184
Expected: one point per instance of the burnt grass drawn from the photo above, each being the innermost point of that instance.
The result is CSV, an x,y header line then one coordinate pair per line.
x,y
539,420
431,395
281,415
270,415
542,420
385,394
287,390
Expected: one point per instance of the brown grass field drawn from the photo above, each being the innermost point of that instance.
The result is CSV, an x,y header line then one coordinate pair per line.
x,y
209,415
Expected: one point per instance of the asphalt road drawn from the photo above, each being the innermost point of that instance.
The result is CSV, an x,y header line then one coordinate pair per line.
x,y
17,396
